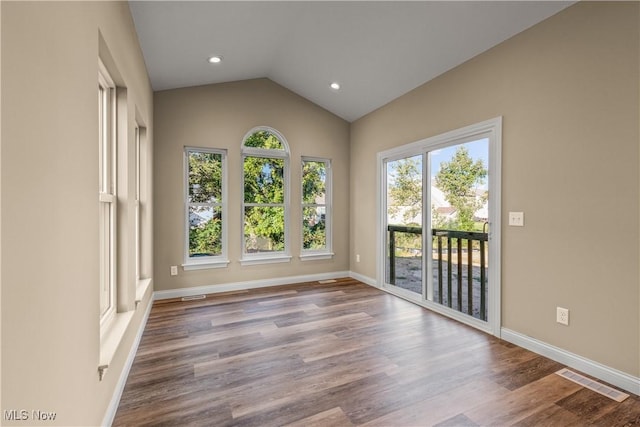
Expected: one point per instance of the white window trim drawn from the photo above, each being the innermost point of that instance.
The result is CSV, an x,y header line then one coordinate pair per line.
x,y
327,253
218,261
107,193
280,256
316,256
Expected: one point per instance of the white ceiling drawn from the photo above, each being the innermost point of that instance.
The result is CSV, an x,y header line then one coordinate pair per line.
x,y
376,50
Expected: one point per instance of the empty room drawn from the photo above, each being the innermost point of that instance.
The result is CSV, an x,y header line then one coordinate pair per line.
x,y
328,213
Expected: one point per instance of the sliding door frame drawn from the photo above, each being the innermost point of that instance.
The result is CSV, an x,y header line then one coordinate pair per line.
x,y
491,129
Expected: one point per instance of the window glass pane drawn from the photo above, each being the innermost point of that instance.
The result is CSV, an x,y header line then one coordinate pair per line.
x,y
263,180
263,229
105,257
313,224
314,176
205,231
205,177
404,223
264,139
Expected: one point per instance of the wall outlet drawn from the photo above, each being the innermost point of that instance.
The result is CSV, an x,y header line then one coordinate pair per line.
x,y
358,258
562,315
174,270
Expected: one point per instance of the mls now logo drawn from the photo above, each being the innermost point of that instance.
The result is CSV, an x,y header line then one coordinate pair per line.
x,y
24,415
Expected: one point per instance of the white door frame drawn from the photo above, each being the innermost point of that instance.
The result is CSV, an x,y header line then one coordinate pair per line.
x,y
491,129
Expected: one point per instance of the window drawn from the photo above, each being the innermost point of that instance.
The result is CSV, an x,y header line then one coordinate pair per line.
x,y
265,158
107,194
205,208
316,208
137,202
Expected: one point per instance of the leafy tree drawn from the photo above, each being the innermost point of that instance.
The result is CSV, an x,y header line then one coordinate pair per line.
x,y
406,188
205,177
264,184
206,238
313,190
458,180
405,192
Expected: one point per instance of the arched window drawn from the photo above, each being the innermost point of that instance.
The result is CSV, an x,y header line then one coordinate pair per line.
x,y
265,160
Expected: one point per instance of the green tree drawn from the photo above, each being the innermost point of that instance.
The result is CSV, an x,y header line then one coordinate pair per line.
x,y
405,193
205,188
405,189
205,177
264,184
313,192
458,179
206,238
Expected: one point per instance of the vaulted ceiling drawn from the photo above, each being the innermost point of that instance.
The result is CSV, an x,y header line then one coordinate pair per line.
x,y
375,50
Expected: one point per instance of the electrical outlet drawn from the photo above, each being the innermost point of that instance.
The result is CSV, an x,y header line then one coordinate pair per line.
x,y
358,258
562,315
174,270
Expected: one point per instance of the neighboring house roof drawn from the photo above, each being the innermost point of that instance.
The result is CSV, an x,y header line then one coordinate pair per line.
x,y
197,218
441,206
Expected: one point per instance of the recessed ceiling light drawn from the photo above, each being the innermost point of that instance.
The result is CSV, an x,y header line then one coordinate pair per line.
x,y
215,59
335,86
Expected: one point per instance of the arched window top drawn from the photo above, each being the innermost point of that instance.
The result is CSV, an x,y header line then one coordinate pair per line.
x,y
266,141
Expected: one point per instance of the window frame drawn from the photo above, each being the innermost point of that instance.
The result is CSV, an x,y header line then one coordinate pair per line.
x,y
327,252
248,258
107,194
215,261
137,203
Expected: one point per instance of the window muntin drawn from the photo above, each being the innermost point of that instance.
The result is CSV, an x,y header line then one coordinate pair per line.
x,y
107,193
265,159
316,205
205,200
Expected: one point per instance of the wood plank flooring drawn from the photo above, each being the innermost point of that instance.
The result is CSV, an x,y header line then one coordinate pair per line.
x,y
342,354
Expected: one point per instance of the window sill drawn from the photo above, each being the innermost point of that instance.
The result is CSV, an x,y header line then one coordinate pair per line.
x,y
204,265
274,259
316,256
141,289
110,339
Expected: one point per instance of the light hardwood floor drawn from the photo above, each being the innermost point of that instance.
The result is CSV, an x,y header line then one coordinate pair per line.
x,y
342,354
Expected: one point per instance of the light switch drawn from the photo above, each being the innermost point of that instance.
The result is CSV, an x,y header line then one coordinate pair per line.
x,y
516,219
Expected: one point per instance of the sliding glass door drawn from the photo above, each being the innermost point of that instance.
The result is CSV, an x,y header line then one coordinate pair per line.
x,y
440,197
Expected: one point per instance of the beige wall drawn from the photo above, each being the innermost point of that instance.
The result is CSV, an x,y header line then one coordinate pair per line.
x,y
50,249
568,91
219,116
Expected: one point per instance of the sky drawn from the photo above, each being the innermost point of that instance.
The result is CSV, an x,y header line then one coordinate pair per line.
x,y
478,150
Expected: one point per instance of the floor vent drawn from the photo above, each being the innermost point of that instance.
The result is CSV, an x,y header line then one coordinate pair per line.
x,y
193,298
324,282
604,390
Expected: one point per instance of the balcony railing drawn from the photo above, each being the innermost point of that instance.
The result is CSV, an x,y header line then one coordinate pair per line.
x,y
459,286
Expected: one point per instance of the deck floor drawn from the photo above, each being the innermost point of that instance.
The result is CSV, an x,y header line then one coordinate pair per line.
x,y
342,354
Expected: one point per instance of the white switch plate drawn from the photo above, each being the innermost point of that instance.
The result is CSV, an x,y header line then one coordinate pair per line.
x,y
516,219
174,270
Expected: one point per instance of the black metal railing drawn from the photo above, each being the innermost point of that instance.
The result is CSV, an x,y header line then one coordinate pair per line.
x,y
453,243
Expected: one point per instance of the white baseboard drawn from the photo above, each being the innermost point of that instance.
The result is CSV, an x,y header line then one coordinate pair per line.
x,y
122,381
364,279
612,376
252,284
